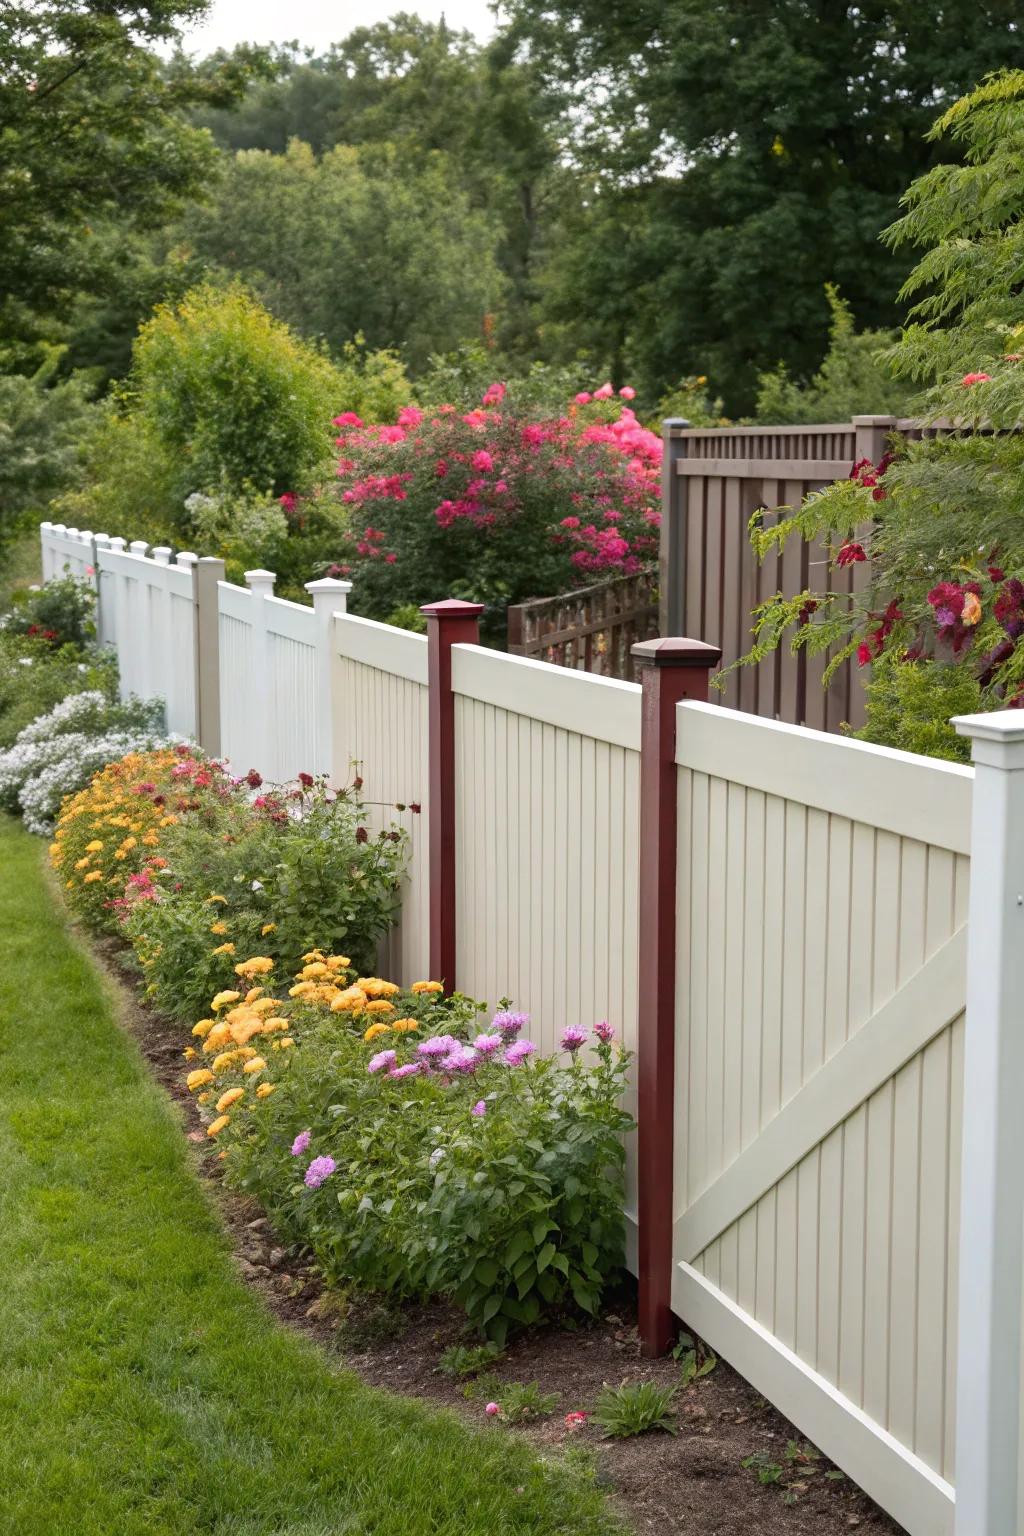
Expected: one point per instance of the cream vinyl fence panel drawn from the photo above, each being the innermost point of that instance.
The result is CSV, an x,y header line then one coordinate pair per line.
x,y
240,741
147,612
821,920
292,704
547,835
379,712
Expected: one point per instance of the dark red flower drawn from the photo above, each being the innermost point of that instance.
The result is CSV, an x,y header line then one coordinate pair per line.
x,y
362,836
253,779
306,780
850,554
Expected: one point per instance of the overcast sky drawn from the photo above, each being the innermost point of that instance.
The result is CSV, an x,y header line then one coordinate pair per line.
x,y
318,23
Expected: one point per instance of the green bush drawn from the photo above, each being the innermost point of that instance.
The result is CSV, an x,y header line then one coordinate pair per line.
x,y
34,678
271,875
910,705
42,426
62,612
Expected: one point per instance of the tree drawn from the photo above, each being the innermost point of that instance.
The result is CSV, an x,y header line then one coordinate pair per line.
x,y
353,243
939,527
769,140
92,131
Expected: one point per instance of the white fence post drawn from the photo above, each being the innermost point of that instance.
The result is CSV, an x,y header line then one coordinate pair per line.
x,y
260,702
330,596
991,1272
46,548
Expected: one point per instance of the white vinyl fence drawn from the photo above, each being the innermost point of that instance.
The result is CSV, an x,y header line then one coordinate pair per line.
x,y
848,1166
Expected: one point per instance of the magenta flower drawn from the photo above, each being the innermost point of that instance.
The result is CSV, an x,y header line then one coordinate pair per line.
x,y
479,1108
438,1045
486,1044
510,1024
381,1060
517,1053
409,1070
573,1037
301,1142
464,1059
491,1410
604,1032
319,1169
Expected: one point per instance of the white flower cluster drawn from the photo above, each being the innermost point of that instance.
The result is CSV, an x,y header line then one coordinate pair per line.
x,y
60,751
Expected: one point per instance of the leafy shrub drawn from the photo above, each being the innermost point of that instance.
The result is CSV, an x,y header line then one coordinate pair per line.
x,y
34,678
269,873
463,1360
42,425
634,1408
521,1402
60,751
910,705
61,612
493,505
478,1171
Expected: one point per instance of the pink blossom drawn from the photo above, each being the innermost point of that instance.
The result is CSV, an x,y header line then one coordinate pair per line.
x,y
479,1108
410,416
381,1060
604,393
584,397
494,395
491,1410
975,378
627,392
482,461
347,419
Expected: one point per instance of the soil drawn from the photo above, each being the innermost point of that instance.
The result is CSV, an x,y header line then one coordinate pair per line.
x,y
692,1482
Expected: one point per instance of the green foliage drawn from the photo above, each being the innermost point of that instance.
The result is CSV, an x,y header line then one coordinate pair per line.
x,y
695,1363
299,231
497,1184
464,1360
521,1402
62,612
298,863
34,678
910,705
461,378
231,394
373,384
42,424
741,157
249,531
690,401
852,380
938,527
634,1408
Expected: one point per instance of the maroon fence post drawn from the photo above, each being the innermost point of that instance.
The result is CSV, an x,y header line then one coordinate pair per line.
x,y
669,670
448,623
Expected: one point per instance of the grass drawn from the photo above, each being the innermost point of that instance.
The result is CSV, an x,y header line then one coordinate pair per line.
x,y
143,1388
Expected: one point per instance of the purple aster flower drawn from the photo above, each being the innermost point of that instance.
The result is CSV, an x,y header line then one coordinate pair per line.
x,y
604,1032
462,1060
510,1023
485,1044
381,1060
573,1037
319,1169
301,1142
518,1052
409,1070
479,1108
438,1045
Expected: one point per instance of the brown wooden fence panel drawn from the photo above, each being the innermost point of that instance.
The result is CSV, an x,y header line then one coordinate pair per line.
x,y
592,629
714,479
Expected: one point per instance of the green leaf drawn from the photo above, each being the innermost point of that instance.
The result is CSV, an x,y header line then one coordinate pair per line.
x,y
545,1256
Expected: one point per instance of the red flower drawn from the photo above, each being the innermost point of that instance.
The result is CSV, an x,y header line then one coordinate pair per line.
x,y
974,378
850,554
362,835
306,780
863,654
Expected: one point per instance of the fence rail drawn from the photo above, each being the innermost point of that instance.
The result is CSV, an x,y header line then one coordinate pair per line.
x,y
814,945
592,629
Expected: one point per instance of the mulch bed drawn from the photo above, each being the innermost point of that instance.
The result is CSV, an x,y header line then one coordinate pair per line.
x,y
693,1482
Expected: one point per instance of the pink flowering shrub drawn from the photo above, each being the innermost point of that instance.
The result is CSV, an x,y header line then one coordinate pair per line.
x,y
492,505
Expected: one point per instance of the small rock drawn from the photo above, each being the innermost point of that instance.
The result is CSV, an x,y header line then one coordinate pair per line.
x,y
252,1271
259,1225
283,1284
276,1257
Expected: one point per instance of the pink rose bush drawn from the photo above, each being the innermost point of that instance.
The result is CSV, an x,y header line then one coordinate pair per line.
x,y
492,505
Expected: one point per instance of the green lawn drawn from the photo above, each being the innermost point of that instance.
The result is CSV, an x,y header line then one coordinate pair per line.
x,y
142,1387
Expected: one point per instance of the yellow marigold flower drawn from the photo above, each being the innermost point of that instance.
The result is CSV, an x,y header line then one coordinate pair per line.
x,y
257,1064
380,1006
219,1035
426,986
68,884
263,1004
215,897
253,993
223,998
282,1045
301,989
259,965
227,1099
119,853
274,1026
198,1078
190,1053
338,962
83,863
203,1027
130,842
375,1030
971,609
94,847
216,1126
168,821
314,972
223,949
219,927
351,1000
375,987
313,954
94,874
267,928
405,1026
204,1098
265,1090
242,1030
151,840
